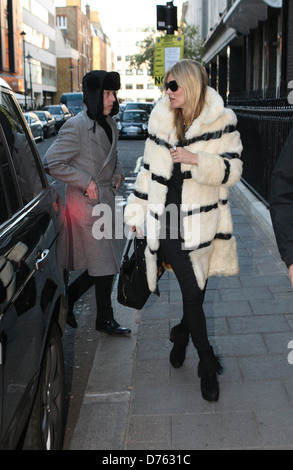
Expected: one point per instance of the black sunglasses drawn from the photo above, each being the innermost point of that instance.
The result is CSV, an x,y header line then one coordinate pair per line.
x,y
173,85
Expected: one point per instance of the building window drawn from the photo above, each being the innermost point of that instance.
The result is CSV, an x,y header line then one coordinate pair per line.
x,y
128,72
139,72
128,86
139,86
62,22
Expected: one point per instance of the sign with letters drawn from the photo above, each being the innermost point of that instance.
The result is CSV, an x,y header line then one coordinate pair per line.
x,y
168,51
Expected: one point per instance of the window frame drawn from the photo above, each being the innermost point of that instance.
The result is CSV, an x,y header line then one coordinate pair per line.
x,y
35,154
20,204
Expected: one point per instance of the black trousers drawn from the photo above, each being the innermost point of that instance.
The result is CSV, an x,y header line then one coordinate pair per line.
x,y
193,320
103,290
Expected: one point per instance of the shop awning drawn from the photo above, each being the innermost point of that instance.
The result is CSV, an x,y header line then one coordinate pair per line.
x,y
21,99
245,14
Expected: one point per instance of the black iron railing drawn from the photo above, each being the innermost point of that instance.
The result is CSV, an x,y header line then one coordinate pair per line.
x,y
264,126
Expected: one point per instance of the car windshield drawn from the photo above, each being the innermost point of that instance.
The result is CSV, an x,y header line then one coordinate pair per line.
x,y
135,116
55,110
144,106
42,116
75,108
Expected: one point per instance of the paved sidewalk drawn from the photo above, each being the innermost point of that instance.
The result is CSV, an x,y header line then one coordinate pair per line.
x,y
135,399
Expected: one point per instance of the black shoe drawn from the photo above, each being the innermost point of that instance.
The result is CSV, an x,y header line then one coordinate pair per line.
x,y
71,320
177,355
180,337
113,328
208,368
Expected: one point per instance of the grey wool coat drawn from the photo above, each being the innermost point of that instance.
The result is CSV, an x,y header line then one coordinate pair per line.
x,y
207,221
77,156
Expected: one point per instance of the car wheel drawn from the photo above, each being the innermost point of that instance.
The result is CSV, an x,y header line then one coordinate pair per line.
x,y
46,426
42,136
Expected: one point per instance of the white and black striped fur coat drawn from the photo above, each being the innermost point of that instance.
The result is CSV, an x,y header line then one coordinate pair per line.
x,y
207,225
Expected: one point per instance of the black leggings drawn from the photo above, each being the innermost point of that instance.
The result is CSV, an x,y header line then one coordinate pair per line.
x,y
193,297
103,289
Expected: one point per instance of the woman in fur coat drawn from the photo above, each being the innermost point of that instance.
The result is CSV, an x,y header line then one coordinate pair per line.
x,y
191,158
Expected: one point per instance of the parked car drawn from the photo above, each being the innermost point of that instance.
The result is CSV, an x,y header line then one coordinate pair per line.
x,y
133,124
148,107
59,112
73,101
119,115
49,123
35,125
32,290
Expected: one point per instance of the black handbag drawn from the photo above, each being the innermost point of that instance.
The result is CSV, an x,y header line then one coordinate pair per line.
x,y
133,290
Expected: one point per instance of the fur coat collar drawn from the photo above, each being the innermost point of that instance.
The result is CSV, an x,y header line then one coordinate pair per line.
x,y
161,120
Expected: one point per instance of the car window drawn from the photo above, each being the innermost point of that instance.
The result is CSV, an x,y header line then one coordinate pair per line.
x,y
10,200
134,116
55,110
42,116
21,177
129,116
143,106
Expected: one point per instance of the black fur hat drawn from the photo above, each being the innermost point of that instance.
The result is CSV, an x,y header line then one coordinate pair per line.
x,y
93,85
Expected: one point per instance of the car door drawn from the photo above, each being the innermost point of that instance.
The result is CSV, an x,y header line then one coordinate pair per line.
x,y
27,284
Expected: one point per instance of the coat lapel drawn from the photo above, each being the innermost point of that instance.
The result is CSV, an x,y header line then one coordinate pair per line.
x,y
100,138
111,148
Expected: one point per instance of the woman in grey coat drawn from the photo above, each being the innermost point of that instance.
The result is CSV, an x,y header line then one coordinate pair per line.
x,y
84,156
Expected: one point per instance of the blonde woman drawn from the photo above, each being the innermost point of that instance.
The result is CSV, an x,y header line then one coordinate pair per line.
x,y
191,158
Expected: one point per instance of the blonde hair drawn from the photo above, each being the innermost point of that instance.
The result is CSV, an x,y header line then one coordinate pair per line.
x,y
191,76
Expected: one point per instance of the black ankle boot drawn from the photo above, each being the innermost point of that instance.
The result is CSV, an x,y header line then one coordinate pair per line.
x,y
179,336
71,320
208,368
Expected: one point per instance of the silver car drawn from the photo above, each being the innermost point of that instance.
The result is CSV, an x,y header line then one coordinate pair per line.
x,y
35,125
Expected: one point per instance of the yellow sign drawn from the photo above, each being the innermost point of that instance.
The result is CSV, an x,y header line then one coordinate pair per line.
x,y
168,51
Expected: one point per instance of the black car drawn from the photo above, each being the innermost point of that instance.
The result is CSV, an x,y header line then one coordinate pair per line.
x,y
133,124
148,107
49,123
33,305
59,112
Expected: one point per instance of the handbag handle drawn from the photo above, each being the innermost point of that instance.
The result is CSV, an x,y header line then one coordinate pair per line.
x,y
127,249
125,257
